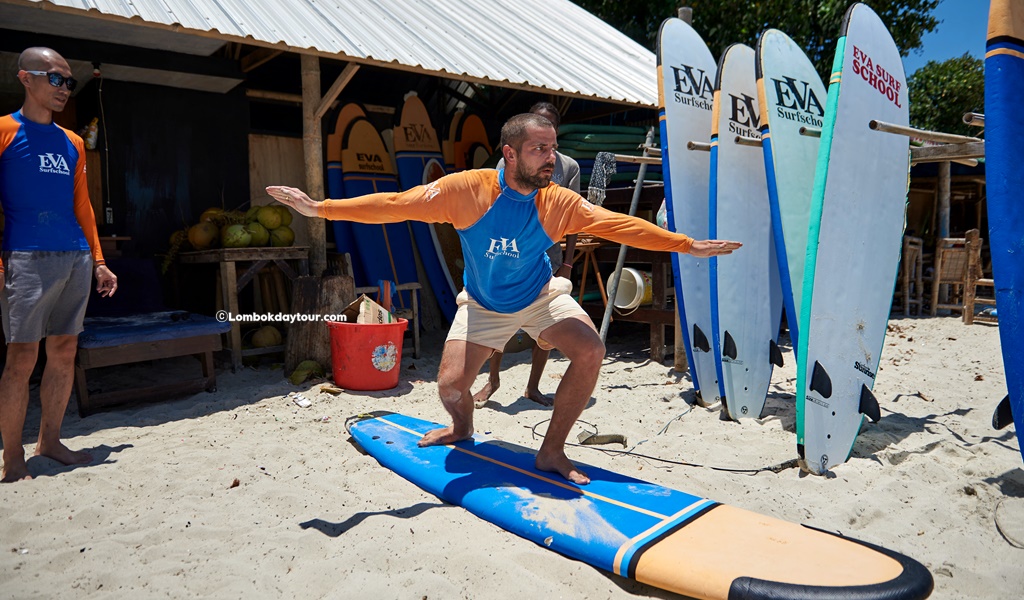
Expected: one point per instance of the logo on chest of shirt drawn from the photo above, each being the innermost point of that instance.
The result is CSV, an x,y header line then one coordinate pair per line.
x,y
53,163
502,247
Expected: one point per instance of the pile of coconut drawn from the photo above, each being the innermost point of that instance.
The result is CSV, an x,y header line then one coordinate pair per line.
x,y
260,226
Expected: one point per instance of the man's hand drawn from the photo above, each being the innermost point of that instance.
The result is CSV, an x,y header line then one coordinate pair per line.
x,y
706,248
294,198
106,281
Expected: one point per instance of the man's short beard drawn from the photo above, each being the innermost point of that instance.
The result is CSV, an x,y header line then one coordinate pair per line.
x,y
534,180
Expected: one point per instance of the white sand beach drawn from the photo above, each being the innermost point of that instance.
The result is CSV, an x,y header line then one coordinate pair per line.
x,y
158,513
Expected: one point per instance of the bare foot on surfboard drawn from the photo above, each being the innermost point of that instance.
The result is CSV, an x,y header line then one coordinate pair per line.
x,y
560,464
441,437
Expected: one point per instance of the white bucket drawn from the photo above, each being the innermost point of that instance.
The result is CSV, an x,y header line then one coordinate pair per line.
x,y
634,290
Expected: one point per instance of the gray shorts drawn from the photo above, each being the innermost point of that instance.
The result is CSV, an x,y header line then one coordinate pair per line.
x,y
45,294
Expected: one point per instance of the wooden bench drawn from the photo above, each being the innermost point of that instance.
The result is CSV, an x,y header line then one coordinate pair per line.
x,y
111,341
134,326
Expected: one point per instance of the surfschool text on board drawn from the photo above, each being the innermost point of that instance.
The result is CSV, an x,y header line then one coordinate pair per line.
x,y
692,88
794,105
876,76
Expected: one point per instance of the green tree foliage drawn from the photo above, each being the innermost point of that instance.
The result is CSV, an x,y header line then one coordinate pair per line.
x,y
814,24
941,92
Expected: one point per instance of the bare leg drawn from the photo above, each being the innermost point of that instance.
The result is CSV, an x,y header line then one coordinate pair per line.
x,y
577,339
460,363
540,359
493,381
21,359
54,393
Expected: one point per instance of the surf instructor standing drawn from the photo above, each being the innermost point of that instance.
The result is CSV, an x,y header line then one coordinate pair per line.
x,y
506,220
51,251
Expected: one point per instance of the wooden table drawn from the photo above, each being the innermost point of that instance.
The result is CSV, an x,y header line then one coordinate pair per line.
x,y
252,260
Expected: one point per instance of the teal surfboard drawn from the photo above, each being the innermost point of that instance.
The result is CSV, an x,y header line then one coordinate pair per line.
x,y
686,74
1004,157
792,99
746,294
656,535
854,242
419,161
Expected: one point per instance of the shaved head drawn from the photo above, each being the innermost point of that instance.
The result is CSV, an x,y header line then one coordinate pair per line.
x,y
40,59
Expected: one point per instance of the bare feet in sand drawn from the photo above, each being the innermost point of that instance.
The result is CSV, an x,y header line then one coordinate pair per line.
x,y
560,464
440,437
480,398
63,454
15,469
539,398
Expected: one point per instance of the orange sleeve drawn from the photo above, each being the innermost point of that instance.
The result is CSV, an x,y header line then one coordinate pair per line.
x,y
563,211
83,207
460,199
8,129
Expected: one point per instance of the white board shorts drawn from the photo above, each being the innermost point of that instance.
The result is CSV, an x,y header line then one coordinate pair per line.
x,y
45,294
478,325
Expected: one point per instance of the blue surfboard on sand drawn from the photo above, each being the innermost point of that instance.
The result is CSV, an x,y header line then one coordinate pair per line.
x,y
418,160
663,537
746,293
854,242
1004,88
686,72
384,251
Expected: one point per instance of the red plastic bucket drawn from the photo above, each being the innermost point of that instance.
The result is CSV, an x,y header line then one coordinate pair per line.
x,y
366,356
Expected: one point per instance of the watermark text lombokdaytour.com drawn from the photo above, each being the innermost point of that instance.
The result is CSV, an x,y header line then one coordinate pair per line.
x,y
225,317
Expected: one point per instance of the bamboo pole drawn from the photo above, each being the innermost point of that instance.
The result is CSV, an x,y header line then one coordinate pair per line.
x,y
931,136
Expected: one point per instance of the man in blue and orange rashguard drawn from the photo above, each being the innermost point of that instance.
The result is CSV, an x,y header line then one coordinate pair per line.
x,y
506,221
51,251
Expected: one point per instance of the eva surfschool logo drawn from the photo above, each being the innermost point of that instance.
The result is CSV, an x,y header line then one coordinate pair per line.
x,y
876,76
745,119
795,100
502,247
692,87
54,164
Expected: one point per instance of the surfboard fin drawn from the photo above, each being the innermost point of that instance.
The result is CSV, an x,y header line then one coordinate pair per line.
x,y
820,381
700,341
729,347
774,354
869,404
1003,416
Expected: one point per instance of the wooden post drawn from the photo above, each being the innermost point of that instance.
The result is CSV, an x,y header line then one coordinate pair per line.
x,y
686,14
312,143
944,193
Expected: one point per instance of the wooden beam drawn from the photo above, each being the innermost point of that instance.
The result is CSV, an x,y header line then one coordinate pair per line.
x,y
332,94
947,152
944,196
258,57
313,148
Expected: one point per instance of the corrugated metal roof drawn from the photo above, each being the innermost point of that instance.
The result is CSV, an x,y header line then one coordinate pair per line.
x,y
551,45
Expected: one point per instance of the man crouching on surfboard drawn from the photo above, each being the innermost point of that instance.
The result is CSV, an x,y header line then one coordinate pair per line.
x,y
506,221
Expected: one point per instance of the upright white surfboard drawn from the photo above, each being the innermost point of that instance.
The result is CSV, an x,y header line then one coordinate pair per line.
x,y
686,74
746,294
792,99
854,242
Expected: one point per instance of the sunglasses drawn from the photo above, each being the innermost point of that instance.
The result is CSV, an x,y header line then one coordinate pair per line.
x,y
57,80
